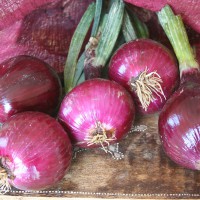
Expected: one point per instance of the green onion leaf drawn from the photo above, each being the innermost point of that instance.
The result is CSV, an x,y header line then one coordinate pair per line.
x,y
75,46
97,17
128,28
110,33
79,70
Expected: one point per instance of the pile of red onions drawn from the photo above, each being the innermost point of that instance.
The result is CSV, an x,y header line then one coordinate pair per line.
x,y
27,83
35,151
179,121
148,71
97,113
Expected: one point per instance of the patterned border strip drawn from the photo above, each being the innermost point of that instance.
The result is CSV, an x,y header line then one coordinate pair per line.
x,y
103,194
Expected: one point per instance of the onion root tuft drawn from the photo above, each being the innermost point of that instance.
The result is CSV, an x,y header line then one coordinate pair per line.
x,y
146,85
4,183
99,135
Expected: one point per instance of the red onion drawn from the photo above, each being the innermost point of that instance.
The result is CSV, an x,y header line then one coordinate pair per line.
x,y
27,83
179,127
35,151
179,121
97,113
146,69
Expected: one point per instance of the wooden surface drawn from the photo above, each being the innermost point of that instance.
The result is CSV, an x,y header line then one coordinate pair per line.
x,y
144,172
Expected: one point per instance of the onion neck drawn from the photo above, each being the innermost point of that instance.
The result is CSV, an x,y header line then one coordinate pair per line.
x,y
89,70
191,75
176,33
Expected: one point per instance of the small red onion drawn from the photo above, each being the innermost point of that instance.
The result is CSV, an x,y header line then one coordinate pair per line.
x,y
27,83
97,113
35,151
148,71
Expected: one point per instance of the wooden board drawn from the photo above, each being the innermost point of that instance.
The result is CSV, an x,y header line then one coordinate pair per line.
x,y
144,171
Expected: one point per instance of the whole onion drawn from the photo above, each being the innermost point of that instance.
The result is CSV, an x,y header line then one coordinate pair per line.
x,y
148,71
97,113
27,83
179,121
35,151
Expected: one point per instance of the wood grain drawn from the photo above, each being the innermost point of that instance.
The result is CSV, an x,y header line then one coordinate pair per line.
x,y
144,172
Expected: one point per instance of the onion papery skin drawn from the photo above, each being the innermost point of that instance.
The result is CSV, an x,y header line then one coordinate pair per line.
x,y
37,150
28,84
133,58
97,100
179,122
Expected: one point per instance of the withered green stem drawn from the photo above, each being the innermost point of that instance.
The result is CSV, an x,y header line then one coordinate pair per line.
x,y
128,29
109,33
176,32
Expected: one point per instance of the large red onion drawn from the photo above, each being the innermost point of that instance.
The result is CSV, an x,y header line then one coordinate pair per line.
x,y
27,83
97,113
148,70
179,121
35,151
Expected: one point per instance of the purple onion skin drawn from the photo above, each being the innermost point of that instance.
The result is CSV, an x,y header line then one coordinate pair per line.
x,y
133,57
97,100
179,122
197,51
35,149
28,84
